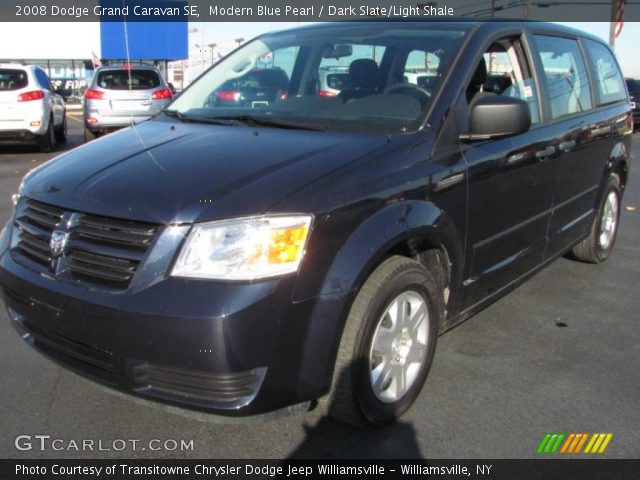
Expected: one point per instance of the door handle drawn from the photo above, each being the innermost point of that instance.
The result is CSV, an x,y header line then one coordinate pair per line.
x,y
545,153
567,145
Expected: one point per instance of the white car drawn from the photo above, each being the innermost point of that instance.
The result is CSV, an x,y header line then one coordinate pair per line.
x,y
29,107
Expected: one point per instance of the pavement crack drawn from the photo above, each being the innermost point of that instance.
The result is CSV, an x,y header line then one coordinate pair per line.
x,y
54,394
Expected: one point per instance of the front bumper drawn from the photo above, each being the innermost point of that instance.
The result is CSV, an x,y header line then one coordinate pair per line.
x,y
233,349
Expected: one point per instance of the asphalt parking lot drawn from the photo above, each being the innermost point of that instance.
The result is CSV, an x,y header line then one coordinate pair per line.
x,y
559,354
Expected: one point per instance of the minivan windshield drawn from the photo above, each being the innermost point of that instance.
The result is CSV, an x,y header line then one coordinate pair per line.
x,y
369,77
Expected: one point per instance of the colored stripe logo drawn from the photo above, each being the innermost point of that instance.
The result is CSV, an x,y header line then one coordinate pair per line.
x,y
574,443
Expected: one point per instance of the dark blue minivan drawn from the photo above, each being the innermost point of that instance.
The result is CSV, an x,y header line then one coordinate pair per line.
x,y
307,247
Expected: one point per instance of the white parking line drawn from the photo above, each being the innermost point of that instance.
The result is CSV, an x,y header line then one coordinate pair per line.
x,y
73,117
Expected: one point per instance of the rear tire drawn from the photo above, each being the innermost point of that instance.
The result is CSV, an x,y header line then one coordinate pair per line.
x,y
61,132
597,247
47,141
387,345
89,135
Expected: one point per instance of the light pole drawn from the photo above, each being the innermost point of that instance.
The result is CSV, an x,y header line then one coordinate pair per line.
x,y
212,46
201,48
239,41
191,62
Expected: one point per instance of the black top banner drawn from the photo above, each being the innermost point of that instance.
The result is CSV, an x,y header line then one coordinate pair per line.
x,y
315,10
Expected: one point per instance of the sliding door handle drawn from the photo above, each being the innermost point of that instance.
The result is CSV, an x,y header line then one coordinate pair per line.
x,y
545,153
567,145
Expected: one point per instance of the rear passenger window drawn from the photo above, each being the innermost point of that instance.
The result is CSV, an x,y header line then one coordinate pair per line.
x,y
565,74
128,79
12,79
609,82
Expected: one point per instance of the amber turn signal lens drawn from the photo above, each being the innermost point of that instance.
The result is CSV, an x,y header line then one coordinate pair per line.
x,y
287,243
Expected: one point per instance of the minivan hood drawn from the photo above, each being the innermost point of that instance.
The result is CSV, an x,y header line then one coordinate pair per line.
x,y
164,171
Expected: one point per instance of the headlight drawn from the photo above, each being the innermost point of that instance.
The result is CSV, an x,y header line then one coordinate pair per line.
x,y
245,248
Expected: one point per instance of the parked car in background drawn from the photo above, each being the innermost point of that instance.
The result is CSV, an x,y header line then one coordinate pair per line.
x,y
332,80
240,257
423,79
120,95
30,109
633,85
258,88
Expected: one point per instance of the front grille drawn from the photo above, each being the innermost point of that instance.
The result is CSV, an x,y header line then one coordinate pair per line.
x,y
34,247
220,390
100,251
116,232
43,215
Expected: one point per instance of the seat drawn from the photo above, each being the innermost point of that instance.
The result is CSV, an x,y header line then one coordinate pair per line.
x,y
474,90
363,79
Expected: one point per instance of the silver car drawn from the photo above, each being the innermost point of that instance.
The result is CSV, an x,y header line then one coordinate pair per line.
x,y
332,80
30,110
122,95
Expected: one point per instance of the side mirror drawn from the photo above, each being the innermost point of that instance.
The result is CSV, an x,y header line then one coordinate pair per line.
x,y
494,116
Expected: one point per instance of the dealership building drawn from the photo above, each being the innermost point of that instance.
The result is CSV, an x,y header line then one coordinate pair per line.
x,y
70,51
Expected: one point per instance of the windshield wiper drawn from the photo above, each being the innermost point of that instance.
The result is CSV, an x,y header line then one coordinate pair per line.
x,y
187,119
268,122
174,114
245,120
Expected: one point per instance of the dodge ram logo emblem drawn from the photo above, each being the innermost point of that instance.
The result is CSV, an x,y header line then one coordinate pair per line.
x,y
58,242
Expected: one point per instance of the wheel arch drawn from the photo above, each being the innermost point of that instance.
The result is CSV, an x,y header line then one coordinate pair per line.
x,y
415,229
618,163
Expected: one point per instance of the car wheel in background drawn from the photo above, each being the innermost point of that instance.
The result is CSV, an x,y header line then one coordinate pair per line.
x,y
47,141
61,131
597,247
387,345
89,135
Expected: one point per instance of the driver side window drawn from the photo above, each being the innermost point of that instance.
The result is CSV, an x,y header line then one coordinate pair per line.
x,y
503,70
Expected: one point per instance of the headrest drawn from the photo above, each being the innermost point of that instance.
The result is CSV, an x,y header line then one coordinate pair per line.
x,y
363,73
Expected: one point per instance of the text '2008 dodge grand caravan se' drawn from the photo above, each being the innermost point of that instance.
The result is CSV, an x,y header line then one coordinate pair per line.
x,y
243,257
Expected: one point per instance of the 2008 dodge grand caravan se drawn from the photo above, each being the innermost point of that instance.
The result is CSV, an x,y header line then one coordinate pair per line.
x,y
249,255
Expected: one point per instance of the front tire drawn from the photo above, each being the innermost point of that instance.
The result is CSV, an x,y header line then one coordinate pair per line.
x,y
387,345
597,247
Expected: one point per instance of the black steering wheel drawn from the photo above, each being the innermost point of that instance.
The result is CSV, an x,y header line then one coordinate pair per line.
x,y
416,91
